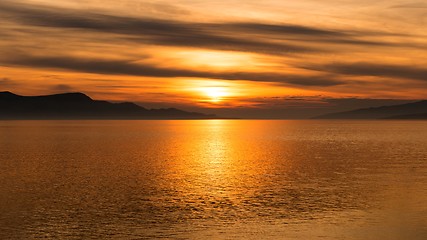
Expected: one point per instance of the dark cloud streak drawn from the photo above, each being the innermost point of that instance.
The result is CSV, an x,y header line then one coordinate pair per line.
x,y
115,67
374,69
154,31
246,37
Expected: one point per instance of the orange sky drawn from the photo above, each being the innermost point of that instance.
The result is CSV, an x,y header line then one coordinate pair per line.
x,y
215,54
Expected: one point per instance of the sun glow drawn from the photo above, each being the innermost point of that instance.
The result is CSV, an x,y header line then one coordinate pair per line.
x,y
215,94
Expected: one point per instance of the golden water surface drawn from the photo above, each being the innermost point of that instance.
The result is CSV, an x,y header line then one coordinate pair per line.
x,y
213,179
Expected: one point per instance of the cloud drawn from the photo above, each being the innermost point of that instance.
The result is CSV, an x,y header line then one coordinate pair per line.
x,y
416,5
62,88
276,39
154,31
375,69
116,67
6,83
284,29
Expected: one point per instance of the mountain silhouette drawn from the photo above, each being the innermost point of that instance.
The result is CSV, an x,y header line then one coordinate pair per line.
x,y
416,110
410,116
81,106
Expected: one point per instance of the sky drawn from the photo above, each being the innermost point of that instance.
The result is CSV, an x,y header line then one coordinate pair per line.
x,y
234,58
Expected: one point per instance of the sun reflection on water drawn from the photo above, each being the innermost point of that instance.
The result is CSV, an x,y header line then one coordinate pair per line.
x,y
209,179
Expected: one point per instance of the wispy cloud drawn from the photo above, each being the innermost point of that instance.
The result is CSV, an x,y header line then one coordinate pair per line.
x,y
413,5
7,83
153,31
251,37
115,67
376,69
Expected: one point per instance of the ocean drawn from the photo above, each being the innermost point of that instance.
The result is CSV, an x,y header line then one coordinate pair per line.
x,y
213,179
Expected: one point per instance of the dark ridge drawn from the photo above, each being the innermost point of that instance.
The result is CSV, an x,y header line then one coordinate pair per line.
x,y
8,95
81,106
410,116
384,112
66,97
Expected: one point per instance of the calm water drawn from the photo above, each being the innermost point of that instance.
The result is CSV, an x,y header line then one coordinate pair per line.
x,y
213,179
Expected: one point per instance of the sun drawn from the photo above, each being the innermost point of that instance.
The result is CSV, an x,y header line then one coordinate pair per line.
x,y
215,94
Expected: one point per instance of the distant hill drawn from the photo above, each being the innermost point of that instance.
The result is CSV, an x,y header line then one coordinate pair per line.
x,y
81,106
410,116
416,110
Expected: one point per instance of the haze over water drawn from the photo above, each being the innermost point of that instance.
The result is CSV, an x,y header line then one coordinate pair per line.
x,y
213,179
